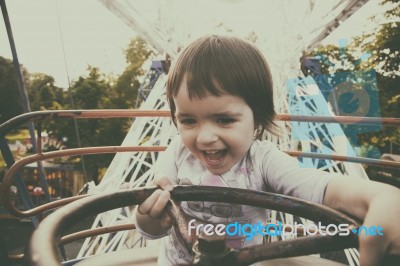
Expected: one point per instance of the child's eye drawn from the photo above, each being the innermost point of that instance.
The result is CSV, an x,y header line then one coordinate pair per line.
x,y
225,120
187,121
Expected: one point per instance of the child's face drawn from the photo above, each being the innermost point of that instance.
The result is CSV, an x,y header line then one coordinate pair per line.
x,y
217,130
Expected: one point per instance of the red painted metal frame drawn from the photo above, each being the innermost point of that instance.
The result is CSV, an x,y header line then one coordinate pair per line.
x,y
121,113
8,179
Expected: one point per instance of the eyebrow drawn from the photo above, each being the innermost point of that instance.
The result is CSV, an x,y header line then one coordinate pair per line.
x,y
230,114
182,115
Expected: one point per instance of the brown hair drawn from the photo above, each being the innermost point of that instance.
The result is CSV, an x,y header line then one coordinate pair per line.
x,y
219,65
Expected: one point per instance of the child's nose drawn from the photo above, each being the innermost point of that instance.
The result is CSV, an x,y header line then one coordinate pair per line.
x,y
206,134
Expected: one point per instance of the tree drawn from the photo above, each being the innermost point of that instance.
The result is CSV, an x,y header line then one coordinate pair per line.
x,y
128,82
94,91
106,93
87,93
97,91
43,94
384,44
384,47
378,51
10,100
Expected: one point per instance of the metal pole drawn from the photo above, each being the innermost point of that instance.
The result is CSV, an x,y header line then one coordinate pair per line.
x,y
19,181
23,94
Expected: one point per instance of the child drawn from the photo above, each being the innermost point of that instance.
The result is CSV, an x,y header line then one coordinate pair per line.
x,y
221,100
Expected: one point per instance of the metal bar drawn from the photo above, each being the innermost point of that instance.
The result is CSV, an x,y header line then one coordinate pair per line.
x,y
18,180
347,12
20,80
342,158
39,138
387,121
81,114
128,113
41,172
23,94
94,232
8,179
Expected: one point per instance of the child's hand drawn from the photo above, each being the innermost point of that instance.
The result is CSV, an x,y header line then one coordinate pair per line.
x,y
151,214
376,204
383,212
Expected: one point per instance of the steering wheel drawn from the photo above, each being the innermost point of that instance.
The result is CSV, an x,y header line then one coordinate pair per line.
x,y
45,239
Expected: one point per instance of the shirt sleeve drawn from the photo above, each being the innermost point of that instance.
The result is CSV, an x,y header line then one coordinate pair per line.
x,y
284,175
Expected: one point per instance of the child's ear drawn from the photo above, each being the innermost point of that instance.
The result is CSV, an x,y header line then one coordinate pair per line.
x,y
256,125
256,130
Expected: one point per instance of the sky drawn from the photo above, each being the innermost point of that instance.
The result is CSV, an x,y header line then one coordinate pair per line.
x,y
62,37
89,34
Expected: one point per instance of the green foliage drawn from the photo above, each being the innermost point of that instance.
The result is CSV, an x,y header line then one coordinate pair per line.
x,y
128,82
93,91
97,91
90,92
10,100
43,94
384,45
383,48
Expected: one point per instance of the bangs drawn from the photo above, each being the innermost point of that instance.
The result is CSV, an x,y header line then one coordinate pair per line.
x,y
204,83
208,67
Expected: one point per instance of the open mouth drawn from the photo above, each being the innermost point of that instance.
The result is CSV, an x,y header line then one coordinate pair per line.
x,y
215,156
